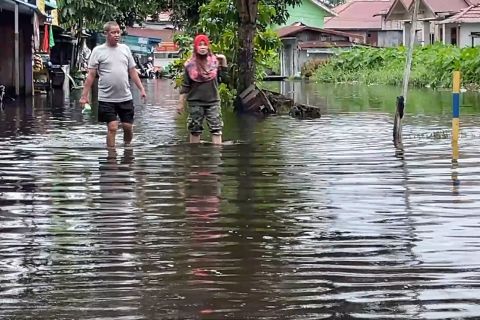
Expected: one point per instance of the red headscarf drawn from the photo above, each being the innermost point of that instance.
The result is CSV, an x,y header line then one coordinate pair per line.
x,y
199,39
202,69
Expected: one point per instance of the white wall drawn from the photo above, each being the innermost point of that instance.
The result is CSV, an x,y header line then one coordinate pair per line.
x,y
288,57
465,30
391,38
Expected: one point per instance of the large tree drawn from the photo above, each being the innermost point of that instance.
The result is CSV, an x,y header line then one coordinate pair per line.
x,y
244,16
91,14
247,27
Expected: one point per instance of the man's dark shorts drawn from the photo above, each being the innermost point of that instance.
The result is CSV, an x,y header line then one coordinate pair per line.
x,y
108,111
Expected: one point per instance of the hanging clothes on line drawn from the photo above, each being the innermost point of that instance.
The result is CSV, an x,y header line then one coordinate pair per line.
x,y
51,41
36,32
46,40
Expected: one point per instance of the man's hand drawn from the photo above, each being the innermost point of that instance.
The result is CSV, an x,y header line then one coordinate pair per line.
x,y
83,101
143,95
86,88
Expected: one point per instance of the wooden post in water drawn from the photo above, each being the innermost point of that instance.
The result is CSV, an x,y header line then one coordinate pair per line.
x,y
455,114
402,100
456,105
17,53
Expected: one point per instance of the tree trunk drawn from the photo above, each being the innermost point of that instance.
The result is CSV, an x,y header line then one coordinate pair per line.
x,y
247,10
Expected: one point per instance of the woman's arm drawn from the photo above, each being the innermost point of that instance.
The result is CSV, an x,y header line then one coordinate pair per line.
x,y
184,90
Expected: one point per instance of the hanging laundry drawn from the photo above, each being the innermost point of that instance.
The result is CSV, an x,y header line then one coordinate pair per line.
x,y
46,39
51,41
36,32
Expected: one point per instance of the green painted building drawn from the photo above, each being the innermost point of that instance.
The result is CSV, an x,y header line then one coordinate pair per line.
x,y
310,13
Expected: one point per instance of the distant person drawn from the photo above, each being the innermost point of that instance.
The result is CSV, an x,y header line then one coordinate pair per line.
x,y
150,69
200,90
113,62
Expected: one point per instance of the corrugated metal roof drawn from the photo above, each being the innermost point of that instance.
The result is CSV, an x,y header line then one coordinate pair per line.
x,y
359,14
324,7
295,29
468,15
164,34
438,6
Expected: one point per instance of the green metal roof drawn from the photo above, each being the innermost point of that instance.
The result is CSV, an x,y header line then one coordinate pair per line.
x,y
51,3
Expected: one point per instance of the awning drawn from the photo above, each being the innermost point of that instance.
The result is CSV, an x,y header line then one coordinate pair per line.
x,y
24,6
51,3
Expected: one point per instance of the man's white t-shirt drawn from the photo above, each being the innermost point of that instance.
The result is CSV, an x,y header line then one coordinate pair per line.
x,y
112,65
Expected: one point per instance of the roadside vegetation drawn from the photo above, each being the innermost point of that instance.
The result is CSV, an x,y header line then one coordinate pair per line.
x,y
432,66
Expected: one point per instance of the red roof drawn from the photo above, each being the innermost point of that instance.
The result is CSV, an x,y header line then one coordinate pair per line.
x,y
163,34
436,6
405,4
295,29
445,5
468,15
359,14
340,7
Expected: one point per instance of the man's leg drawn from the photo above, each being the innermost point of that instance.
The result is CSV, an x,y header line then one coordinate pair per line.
x,y
111,134
126,113
107,114
127,133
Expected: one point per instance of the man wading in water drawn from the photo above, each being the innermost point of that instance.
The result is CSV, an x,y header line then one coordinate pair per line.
x,y
113,62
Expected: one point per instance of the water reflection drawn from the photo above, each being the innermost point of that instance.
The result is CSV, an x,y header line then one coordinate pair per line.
x,y
317,219
455,157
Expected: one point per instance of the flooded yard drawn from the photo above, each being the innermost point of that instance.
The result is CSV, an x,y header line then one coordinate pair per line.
x,y
290,219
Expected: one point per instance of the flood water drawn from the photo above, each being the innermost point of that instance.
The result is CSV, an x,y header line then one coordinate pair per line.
x,y
290,219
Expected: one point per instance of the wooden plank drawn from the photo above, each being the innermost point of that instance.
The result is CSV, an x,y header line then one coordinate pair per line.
x,y
267,103
252,95
246,91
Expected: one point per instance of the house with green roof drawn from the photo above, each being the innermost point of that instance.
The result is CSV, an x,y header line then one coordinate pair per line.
x,y
310,13
302,35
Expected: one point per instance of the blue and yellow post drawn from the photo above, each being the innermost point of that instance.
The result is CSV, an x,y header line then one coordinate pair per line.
x,y
456,105
455,114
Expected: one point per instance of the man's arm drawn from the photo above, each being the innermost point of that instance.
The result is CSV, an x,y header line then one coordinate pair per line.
x,y
92,73
136,79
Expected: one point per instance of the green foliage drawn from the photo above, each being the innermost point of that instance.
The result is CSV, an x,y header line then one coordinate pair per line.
x,y
186,12
227,95
309,68
218,19
432,66
92,14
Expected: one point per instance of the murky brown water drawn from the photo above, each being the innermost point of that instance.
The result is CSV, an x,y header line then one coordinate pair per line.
x,y
318,219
